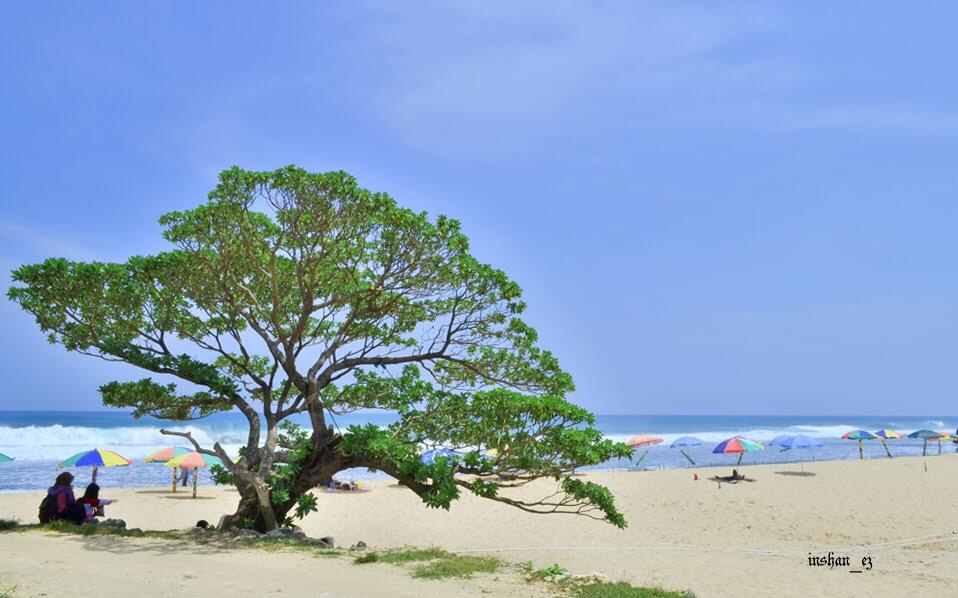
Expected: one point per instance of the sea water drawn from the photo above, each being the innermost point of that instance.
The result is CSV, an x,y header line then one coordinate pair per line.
x,y
39,440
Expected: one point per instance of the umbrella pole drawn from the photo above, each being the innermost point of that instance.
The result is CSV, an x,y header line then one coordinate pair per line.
x,y
642,458
174,479
94,473
861,453
687,457
740,455
924,450
939,446
885,444
196,474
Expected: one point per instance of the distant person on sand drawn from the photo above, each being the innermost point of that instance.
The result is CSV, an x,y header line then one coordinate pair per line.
x,y
93,504
60,502
185,477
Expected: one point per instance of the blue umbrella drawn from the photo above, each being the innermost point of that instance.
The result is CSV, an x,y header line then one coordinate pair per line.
x,y
778,440
798,442
686,441
429,457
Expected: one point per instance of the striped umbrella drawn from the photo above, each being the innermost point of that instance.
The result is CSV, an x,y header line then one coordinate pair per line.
x,y
643,440
944,436
165,454
859,435
5,459
96,458
686,441
925,435
193,461
884,436
738,445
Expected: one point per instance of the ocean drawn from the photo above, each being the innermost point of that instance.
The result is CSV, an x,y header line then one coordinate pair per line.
x,y
38,440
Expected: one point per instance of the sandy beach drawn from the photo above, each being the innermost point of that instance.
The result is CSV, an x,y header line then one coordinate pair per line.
x,y
750,538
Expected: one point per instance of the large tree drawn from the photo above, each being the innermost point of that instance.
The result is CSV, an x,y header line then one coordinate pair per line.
x,y
290,292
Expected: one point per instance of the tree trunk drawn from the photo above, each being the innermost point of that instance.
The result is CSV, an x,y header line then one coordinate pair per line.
x,y
254,508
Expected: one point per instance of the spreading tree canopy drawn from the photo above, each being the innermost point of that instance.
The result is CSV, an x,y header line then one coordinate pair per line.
x,y
290,292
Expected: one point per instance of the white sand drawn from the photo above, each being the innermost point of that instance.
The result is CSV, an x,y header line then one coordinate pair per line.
x,y
682,533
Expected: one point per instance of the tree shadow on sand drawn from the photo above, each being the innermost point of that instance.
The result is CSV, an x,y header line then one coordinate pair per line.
x,y
186,497
797,474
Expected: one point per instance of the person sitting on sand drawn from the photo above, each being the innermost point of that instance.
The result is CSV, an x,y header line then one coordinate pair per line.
x,y
65,505
93,504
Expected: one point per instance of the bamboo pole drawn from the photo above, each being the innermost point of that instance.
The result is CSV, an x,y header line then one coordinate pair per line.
x,y
885,444
174,479
196,474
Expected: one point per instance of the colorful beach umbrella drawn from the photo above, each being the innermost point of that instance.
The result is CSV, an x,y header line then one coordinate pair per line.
x,y
165,454
859,435
925,435
685,441
4,458
884,436
96,458
643,440
737,445
640,441
193,461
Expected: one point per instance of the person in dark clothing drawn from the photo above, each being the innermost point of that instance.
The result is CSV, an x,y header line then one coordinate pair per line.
x,y
66,504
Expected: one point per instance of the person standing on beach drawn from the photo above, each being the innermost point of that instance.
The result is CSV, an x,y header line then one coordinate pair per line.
x,y
184,477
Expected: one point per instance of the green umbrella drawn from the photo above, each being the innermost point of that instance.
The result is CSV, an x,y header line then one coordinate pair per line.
x,y
925,435
859,435
4,458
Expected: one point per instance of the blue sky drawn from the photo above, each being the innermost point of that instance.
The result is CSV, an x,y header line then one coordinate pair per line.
x,y
712,207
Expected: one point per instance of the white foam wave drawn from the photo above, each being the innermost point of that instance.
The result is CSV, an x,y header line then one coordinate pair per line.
x,y
38,443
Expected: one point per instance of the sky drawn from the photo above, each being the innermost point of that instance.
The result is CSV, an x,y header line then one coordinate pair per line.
x,y
712,208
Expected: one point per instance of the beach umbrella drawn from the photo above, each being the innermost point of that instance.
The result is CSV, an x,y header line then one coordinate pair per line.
x,y
5,459
96,458
738,445
944,436
799,442
193,461
685,441
884,435
429,457
925,435
643,440
859,435
778,440
165,454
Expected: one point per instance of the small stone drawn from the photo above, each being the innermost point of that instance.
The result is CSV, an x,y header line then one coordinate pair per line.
x,y
331,542
114,523
688,593
317,542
